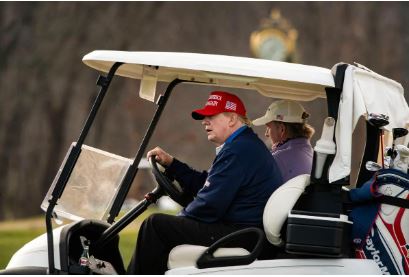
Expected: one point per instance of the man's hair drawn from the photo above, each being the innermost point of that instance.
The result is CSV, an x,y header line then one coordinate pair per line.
x,y
241,118
245,120
297,130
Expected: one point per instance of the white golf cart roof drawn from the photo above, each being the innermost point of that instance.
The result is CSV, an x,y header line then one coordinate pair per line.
x,y
364,91
270,78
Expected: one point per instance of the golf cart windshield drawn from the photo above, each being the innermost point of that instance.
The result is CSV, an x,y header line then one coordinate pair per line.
x,y
92,186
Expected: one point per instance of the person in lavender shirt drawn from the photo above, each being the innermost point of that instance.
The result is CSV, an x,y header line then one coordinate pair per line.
x,y
290,137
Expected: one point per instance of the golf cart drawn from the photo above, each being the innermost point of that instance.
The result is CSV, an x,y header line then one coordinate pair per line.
x,y
307,217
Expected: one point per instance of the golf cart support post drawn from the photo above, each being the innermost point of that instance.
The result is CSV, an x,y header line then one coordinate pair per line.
x,y
130,175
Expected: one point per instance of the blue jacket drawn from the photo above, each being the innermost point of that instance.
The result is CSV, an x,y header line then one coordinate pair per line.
x,y
236,187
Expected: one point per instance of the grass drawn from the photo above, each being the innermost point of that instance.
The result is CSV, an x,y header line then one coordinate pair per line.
x,y
11,240
14,234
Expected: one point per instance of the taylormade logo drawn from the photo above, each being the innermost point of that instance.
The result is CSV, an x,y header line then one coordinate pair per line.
x,y
375,256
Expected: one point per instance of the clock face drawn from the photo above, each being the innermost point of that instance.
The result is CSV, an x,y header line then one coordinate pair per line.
x,y
272,44
273,48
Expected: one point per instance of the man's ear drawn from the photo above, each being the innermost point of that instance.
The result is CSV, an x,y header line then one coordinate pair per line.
x,y
233,119
283,128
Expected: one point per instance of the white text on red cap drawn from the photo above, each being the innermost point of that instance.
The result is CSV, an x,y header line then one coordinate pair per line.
x,y
211,103
215,97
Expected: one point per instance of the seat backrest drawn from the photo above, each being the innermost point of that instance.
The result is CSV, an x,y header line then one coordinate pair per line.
x,y
280,204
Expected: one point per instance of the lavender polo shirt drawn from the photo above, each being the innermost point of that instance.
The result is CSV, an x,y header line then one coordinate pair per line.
x,y
294,158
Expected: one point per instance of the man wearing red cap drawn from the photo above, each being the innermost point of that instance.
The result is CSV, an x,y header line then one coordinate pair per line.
x,y
229,197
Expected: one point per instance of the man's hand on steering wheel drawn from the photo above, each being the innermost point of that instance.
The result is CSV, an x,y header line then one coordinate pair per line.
x,y
157,155
161,156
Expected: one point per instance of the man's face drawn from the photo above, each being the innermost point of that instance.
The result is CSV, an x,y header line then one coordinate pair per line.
x,y
274,131
217,128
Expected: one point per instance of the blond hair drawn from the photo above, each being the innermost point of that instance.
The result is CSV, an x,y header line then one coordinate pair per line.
x,y
296,130
245,120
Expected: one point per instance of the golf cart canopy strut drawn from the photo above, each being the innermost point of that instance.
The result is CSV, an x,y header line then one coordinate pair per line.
x,y
133,169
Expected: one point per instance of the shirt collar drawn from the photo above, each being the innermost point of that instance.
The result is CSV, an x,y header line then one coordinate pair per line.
x,y
231,138
236,133
287,142
219,148
282,143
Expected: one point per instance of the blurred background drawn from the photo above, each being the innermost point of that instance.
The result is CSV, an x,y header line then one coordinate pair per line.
x,y
46,90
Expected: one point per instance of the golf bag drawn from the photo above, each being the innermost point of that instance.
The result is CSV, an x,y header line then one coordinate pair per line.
x,y
381,221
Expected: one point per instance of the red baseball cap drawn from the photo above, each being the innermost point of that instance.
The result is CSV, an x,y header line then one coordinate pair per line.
x,y
219,102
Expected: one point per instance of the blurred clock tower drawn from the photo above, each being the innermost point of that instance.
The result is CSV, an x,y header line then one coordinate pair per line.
x,y
275,39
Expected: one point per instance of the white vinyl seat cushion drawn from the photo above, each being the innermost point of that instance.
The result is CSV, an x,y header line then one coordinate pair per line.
x,y
186,254
275,213
280,204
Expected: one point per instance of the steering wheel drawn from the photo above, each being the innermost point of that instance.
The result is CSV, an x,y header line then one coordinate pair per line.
x,y
173,189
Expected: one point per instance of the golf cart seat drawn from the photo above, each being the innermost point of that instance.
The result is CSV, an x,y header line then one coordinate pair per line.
x,y
275,214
